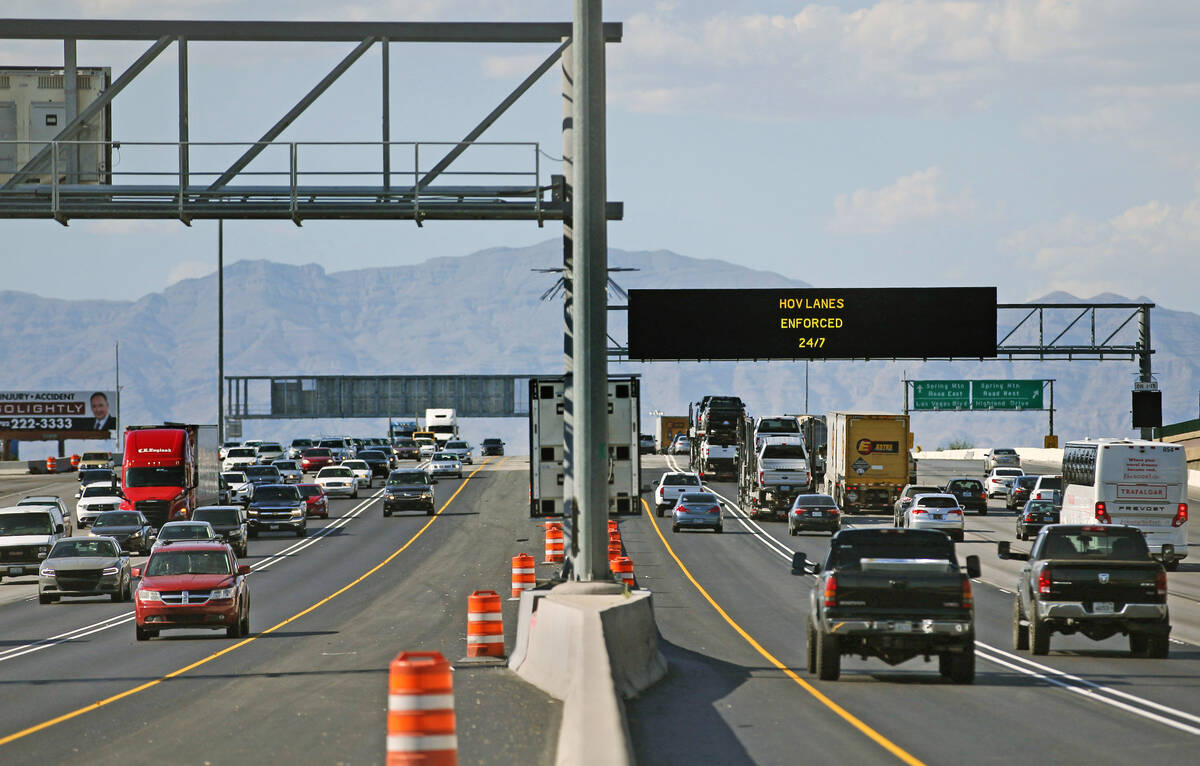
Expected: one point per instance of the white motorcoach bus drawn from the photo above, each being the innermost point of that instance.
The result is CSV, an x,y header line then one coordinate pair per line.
x,y
1138,483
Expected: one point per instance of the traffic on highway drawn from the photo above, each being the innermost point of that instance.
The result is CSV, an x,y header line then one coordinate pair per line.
x,y
841,615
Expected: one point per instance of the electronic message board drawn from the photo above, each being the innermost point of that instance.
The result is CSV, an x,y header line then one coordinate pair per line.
x,y
812,323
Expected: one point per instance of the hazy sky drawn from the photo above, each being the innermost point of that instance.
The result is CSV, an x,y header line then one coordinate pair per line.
x,y
1031,144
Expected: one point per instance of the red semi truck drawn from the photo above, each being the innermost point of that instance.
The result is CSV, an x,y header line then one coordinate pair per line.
x,y
169,470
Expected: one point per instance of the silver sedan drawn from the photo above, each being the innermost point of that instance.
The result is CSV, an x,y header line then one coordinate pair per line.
x,y
85,566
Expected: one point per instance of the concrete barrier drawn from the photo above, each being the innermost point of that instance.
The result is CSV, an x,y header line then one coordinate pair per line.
x,y
15,467
591,645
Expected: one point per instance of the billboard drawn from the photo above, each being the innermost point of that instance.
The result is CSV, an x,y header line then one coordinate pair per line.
x,y
825,323
58,410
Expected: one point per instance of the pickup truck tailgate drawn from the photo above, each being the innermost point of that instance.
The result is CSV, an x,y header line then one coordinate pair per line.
x,y
1119,582
896,593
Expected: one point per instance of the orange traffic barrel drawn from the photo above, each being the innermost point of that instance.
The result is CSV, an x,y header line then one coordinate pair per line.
x,y
485,625
523,574
74,462
614,550
421,726
554,543
622,569
51,465
614,537
612,526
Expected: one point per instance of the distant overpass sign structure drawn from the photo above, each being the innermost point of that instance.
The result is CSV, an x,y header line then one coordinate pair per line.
x,y
269,397
975,395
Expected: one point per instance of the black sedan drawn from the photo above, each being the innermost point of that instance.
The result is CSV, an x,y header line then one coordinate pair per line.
x,y
491,446
129,528
970,494
1035,515
377,462
817,513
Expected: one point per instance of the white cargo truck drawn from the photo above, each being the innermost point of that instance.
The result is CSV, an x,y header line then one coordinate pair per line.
x,y
546,446
443,423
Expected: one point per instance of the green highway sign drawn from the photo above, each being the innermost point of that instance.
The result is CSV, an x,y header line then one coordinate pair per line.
x,y
1006,394
941,395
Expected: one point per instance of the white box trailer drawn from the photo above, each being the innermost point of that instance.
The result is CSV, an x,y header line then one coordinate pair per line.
x,y
546,448
33,110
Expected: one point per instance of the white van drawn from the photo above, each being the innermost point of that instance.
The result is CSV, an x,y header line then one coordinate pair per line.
x,y
1141,484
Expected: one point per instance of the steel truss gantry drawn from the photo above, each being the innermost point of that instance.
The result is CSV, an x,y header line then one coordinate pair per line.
x,y
273,179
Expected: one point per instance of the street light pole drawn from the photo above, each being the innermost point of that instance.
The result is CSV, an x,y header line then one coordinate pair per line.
x,y
221,330
117,355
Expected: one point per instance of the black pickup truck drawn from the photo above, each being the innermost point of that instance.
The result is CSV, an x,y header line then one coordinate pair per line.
x,y
1095,580
894,594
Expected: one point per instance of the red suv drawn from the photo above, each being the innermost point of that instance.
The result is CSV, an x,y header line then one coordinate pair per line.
x,y
192,585
314,498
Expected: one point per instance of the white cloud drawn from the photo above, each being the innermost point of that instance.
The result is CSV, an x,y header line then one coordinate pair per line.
x,y
921,196
1148,249
923,55
190,270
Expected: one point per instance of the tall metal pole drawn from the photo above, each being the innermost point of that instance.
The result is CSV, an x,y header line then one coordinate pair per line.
x,y
1145,373
117,355
71,103
806,386
221,329
386,107
590,369
184,134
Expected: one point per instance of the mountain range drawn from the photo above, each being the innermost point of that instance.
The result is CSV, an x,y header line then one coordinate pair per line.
x,y
485,313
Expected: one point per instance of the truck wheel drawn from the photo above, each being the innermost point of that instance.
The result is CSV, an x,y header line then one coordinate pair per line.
x,y
1039,636
234,630
829,660
1158,647
674,527
958,667
658,511
1020,632
1172,566
720,528
793,531
983,511
354,495
1138,643
386,513
44,599
811,648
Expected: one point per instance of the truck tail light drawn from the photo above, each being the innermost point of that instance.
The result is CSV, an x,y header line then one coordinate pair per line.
x,y
968,598
1043,581
1160,584
760,477
831,591
1102,514
1181,516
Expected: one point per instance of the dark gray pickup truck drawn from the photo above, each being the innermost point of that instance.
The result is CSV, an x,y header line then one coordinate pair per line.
x,y
893,594
1095,580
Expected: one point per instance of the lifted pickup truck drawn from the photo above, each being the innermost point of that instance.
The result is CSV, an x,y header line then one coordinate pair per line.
x,y
1095,580
894,594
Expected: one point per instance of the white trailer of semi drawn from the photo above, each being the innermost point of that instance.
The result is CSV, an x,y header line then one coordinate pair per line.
x,y
546,447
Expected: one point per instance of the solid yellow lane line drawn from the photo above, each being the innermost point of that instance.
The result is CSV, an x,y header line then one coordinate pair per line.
x,y
842,712
175,673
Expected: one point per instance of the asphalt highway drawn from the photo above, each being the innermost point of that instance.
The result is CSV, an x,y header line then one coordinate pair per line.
x,y
732,619
328,614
